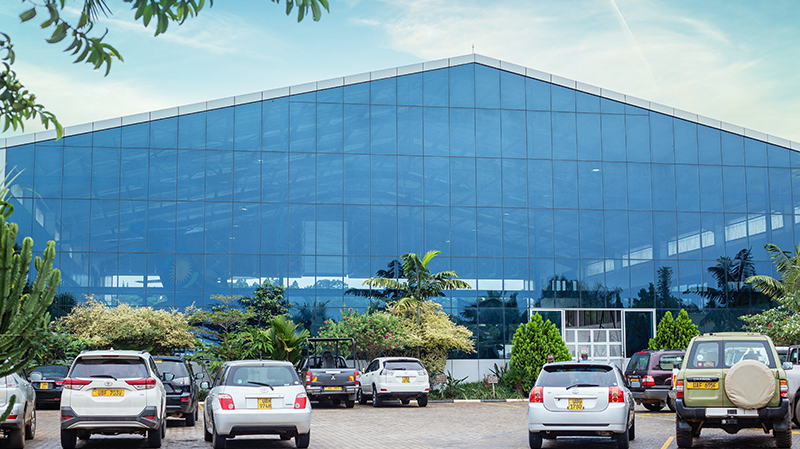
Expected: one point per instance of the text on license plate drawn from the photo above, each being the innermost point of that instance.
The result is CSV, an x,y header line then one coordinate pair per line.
x,y
102,392
333,388
264,403
44,386
405,380
703,385
575,404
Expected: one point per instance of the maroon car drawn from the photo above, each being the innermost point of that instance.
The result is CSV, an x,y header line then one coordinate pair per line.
x,y
649,377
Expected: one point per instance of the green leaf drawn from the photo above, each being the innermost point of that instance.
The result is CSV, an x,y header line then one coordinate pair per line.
x,y
28,15
59,34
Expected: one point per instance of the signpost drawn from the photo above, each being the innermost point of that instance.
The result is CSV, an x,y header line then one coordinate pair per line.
x,y
493,381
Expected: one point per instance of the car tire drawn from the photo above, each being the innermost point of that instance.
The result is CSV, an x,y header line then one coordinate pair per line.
x,y
377,401
534,440
796,414
632,430
206,433
302,440
653,407
422,401
362,398
30,429
623,439
683,438
217,440
405,401
69,438
349,404
154,437
16,439
783,438
191,418
164,428
670,404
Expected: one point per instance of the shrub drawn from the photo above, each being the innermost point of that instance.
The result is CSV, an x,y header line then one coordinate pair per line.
x,y
674,334
531,345
375,333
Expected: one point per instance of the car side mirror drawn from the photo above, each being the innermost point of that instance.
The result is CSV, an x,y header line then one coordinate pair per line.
x,y
786,366
36,376
204,385
168,376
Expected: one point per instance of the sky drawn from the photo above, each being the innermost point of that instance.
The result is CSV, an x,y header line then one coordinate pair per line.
x,y
734,61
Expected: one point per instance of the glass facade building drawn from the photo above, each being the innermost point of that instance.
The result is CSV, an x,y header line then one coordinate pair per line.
x,y
538,191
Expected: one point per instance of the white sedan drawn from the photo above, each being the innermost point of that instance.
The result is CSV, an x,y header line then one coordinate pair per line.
x,y
401,378
21,422
257,397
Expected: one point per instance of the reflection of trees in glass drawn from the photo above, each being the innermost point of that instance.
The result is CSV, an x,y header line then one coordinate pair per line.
x,y
562,290
62,305
493,319
378,298
659,295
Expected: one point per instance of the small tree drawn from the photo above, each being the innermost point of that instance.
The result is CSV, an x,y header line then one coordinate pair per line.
x,y
532,343
674,334
267,302
375,333
220,326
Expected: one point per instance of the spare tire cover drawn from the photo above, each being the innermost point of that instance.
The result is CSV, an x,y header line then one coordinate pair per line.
x,y
750,384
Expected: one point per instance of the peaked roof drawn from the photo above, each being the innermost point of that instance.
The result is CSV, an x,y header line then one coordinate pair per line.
x,y
399,71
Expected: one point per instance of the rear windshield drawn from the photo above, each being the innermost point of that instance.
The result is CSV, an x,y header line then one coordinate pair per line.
x,y
566,376
707,354
262,376
49,372
669,361
404,364
172,366
639,361
116,367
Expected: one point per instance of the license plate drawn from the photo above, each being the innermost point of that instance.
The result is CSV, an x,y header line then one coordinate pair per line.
x,y
575,404
703,385
332,388
44,386
264,403
406,380
635,384
98,392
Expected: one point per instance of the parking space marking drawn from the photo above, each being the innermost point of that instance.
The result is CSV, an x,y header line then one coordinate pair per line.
x,y
669,440
654,417
503,404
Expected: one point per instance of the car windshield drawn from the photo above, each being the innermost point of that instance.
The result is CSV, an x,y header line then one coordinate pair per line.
x,y
262,376
52,371
639,361
172,366
404,365
118,368
576,375
757,350
669,361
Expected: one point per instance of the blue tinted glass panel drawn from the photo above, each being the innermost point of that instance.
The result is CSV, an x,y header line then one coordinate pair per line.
x,y
462,86
436,132
735,189
192,131
758,230
105,226
757,190
383,91
49,163
308,97
436,173
540,233
409,184
487,87
691,274
219,266
515,192
274,177
634,110
590,186
661,141
513,133
708,145
613,137
615,192
663,187
247,176
462,127
134,173
356,129
564,136
566,234
220,129
437,230
161,224
540,193
409,90
81,140
219,176
357,93
537,95
710,188
384,180
105,173
736,229
133,136
463,235
639,197
665,230
565,184
490,242
616,235
334,95
589,137
713,236
383,236
132,226
274,228
515,233
245,273
113,137
410,232
302,174
780,190
356,179
641,235
219,227
134,267
191,175
330,172
563,99
642,277
689,190
540,144
512,91
435,87
275,125
330,231
384,130
782,232
487,130
409,130
47,225
755,153
190,227
732,149
587,103
611,107
462,184
778,156
103,274
20,162
490,182
591,234
637,132
302,119
685,142
164,133
75,221
247,127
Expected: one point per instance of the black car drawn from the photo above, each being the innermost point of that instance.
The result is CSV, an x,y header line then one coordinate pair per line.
x,y
181,390
649,377
48,388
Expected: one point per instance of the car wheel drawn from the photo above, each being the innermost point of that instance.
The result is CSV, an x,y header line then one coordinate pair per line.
x,y
164,428
206,433
632,430
349,404
623,440
154,437
191,418
30,429
534,440
217,440
783,438
671,404
422,401
376,400
303,440
653,407
16,439
796,414
683,438
69,439
362,398
405,401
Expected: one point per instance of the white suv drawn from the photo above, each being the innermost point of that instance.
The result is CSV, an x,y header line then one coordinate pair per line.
x,y
111,392
401,378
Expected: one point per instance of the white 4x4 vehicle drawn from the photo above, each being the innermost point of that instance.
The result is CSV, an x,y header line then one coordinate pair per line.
x,y
111,392
401,378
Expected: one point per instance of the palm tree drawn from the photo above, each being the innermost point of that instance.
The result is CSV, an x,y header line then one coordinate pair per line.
x,y
419,284
785,291
731,275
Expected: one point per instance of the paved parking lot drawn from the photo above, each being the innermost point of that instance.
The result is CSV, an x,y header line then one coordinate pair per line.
x,y
440,425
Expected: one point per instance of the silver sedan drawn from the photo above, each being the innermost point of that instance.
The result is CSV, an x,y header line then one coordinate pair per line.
x,y
257,397
580,399
21,422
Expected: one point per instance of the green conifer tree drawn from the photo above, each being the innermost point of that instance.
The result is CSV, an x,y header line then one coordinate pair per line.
x,y
674,333
532,343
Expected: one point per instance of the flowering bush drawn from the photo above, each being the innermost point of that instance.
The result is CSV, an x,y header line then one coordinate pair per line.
x,y
779,324
375,333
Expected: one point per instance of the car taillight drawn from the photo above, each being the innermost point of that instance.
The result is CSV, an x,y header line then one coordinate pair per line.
x,y
615,394
11,417
422,373
226,401
648,381
679,388
784,389
300,401
308,377
145,383
537,395
71,383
